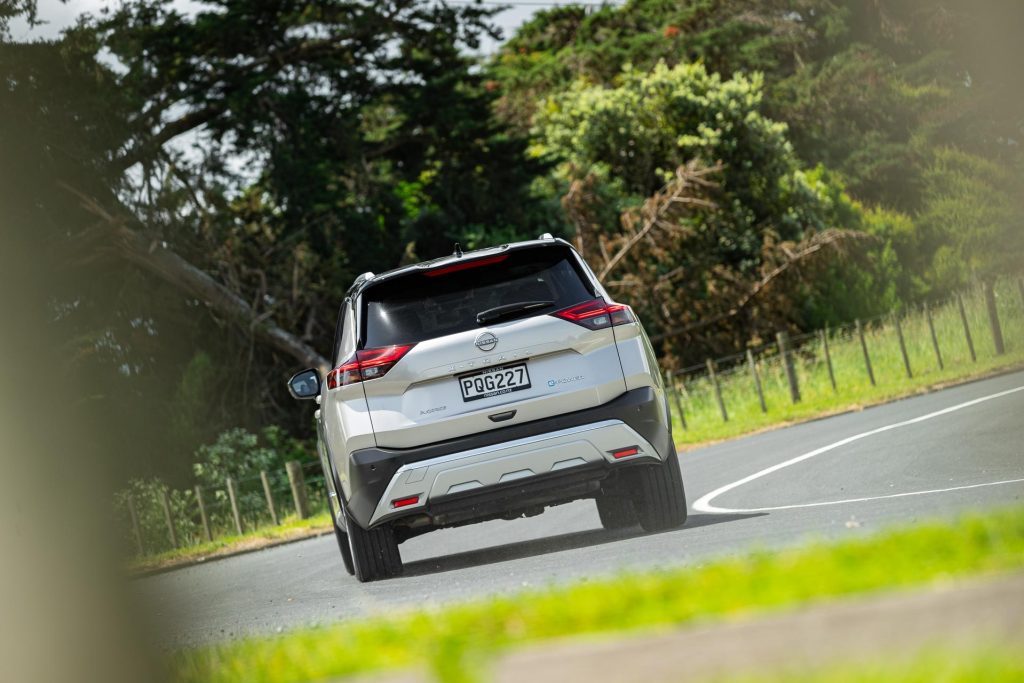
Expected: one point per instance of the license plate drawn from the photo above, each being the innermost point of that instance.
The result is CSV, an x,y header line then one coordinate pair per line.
x,y
494,382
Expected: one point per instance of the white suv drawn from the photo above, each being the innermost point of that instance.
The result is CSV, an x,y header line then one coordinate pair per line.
x,y
488,385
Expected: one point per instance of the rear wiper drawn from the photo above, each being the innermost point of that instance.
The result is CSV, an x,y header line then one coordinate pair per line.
x,y
499,312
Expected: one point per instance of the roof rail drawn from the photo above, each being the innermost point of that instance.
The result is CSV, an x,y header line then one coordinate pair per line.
x,y
368,275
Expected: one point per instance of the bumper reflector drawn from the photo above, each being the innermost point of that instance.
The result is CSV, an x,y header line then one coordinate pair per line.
x,y
405,502
625,452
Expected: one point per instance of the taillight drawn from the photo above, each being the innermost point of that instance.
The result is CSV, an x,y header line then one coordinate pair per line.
x,y
405,502
625,452
466,265
597,314
366,364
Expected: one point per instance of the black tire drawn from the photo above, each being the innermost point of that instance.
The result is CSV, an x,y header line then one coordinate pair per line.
x,y
616,512
346,551
374,552
659,498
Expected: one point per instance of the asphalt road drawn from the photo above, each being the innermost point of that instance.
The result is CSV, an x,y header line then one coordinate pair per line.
x,y
929,456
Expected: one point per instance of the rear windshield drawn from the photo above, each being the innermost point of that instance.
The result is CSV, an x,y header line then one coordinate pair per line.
x,y
416,307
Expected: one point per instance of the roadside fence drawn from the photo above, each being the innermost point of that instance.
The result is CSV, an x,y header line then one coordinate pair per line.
x,y
163,518
932,342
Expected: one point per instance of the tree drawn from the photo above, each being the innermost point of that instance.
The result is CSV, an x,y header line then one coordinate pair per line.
x,y
970,220
871,91
701,250
636,134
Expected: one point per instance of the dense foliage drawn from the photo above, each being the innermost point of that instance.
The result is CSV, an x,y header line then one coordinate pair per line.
x,y
883,94
689,260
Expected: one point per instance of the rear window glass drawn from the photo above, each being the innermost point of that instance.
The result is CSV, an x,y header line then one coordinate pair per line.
x,y
416,307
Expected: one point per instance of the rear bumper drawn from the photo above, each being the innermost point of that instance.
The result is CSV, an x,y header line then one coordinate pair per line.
x,y
573,446
432,483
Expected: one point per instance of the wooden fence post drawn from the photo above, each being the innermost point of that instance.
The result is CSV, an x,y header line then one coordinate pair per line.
x,y
202,514
903,345
718,390
233,496
867,356
757,380
168,518
787,361
298,484
967,328
671,387
935,339
270,498
828,357
136,531
993,319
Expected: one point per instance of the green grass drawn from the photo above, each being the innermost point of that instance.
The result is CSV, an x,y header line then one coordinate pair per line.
x,y
853,388
456,641
291,527
930,665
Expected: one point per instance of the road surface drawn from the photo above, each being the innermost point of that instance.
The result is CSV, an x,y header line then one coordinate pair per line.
x,y
924,457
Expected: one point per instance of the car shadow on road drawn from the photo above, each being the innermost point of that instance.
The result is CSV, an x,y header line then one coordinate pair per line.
x,y
554,544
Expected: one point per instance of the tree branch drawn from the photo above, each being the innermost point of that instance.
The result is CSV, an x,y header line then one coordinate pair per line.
x,y
155,258
655,208
172,130
812,246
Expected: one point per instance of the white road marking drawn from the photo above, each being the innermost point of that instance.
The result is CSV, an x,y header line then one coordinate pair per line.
x,y
703,504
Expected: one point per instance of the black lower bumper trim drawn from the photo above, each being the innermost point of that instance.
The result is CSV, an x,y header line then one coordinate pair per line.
x,y
372,469
507,499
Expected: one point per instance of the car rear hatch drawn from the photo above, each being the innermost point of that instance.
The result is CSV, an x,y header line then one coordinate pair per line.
x,y
543,346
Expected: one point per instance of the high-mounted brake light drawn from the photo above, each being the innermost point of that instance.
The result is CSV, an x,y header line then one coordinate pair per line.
x,y
597,314
466,265
366,364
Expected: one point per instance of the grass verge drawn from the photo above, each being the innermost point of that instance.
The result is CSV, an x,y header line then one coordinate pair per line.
x,y
455,641
930,665
291,529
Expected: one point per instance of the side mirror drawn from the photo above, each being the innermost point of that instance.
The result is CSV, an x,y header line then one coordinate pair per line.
x,y
305,384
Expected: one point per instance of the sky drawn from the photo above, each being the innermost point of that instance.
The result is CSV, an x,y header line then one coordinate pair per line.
x,y
59,15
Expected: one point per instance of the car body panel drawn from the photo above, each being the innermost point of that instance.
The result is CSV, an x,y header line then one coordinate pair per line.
x,y
419,401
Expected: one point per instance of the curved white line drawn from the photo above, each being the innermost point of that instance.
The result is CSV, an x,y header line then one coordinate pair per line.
x,y
703,504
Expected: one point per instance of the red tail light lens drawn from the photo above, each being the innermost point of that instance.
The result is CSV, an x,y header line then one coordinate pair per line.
x,y
466,265
597,314
625,452
405,502
367,364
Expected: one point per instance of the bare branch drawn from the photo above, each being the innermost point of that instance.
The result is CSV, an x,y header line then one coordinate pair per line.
x,y
170,131
674,195
807,249
154,257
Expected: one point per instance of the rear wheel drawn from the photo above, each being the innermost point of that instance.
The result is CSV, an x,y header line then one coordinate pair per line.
x,y
658,495
346,551
616,511
374,552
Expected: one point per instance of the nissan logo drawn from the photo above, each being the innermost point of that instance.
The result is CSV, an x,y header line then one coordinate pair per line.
x,y
485,341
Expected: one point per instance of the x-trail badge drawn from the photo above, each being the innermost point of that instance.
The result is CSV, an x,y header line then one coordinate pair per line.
x,y
485,341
